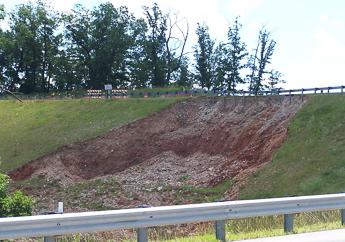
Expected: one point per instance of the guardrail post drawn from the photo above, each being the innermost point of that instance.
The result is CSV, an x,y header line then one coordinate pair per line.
x,y
48,239
220,230
142,235
288,223
58,211
342,213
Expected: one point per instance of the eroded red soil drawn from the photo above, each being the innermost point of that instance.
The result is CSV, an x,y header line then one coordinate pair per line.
x,y
199,142
206,140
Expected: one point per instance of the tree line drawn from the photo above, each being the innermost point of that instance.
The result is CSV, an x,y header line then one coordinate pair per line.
x,y
44,50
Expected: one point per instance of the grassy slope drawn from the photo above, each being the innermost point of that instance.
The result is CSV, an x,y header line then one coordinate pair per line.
x,y
312,159
35,128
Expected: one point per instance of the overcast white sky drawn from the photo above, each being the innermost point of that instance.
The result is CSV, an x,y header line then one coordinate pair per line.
x,y
310,34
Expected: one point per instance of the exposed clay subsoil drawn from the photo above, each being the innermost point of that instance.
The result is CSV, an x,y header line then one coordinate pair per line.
x,y
205,140
199,142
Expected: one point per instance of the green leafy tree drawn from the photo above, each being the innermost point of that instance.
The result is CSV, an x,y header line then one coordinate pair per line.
x,y
50,41
8,63
138,64
221,67
236,53
274,79
112,36
69,71
2,55
25,59
100,41
155,45
78,46
30,47
164,46
13,204
204,57
45,50
184,78
260,60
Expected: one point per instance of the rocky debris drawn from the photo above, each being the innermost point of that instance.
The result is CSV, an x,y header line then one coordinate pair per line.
x,y
200,142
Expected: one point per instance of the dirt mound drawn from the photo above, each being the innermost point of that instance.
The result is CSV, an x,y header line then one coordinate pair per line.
x,y
208,139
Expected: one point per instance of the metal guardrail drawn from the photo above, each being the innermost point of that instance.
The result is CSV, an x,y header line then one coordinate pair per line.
x,y
143,218
302,91
315,90
128,93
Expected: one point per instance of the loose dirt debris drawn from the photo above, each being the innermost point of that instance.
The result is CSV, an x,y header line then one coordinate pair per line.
x,y
166,158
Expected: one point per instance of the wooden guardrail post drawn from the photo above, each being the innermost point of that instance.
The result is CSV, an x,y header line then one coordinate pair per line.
x,y
288,223
220,230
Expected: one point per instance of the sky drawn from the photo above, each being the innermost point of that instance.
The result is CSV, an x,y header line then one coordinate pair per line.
x,y
310,34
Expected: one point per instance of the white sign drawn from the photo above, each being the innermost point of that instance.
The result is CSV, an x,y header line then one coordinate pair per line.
x,y
108,87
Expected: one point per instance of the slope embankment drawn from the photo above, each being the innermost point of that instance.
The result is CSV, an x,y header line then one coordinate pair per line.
x,y
312,159
200,142
34,128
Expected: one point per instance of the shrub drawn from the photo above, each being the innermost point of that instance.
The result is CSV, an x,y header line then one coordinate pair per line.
x,y
13,204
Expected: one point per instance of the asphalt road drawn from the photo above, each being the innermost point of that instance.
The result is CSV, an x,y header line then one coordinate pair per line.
x,y
326,236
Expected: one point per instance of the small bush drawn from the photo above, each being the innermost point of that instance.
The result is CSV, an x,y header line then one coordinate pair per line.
x,y
13,204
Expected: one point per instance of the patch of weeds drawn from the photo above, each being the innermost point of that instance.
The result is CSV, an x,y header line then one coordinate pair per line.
x,y
36,183
89,194
98,187
199,194
183,178
98,206
133,196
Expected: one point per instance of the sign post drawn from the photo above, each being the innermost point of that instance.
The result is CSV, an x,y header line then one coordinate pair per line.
x,y
108,88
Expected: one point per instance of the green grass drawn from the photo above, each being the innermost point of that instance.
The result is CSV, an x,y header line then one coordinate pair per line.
x,y
273,225
259,227
31,129
312,159
239,229
193,194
